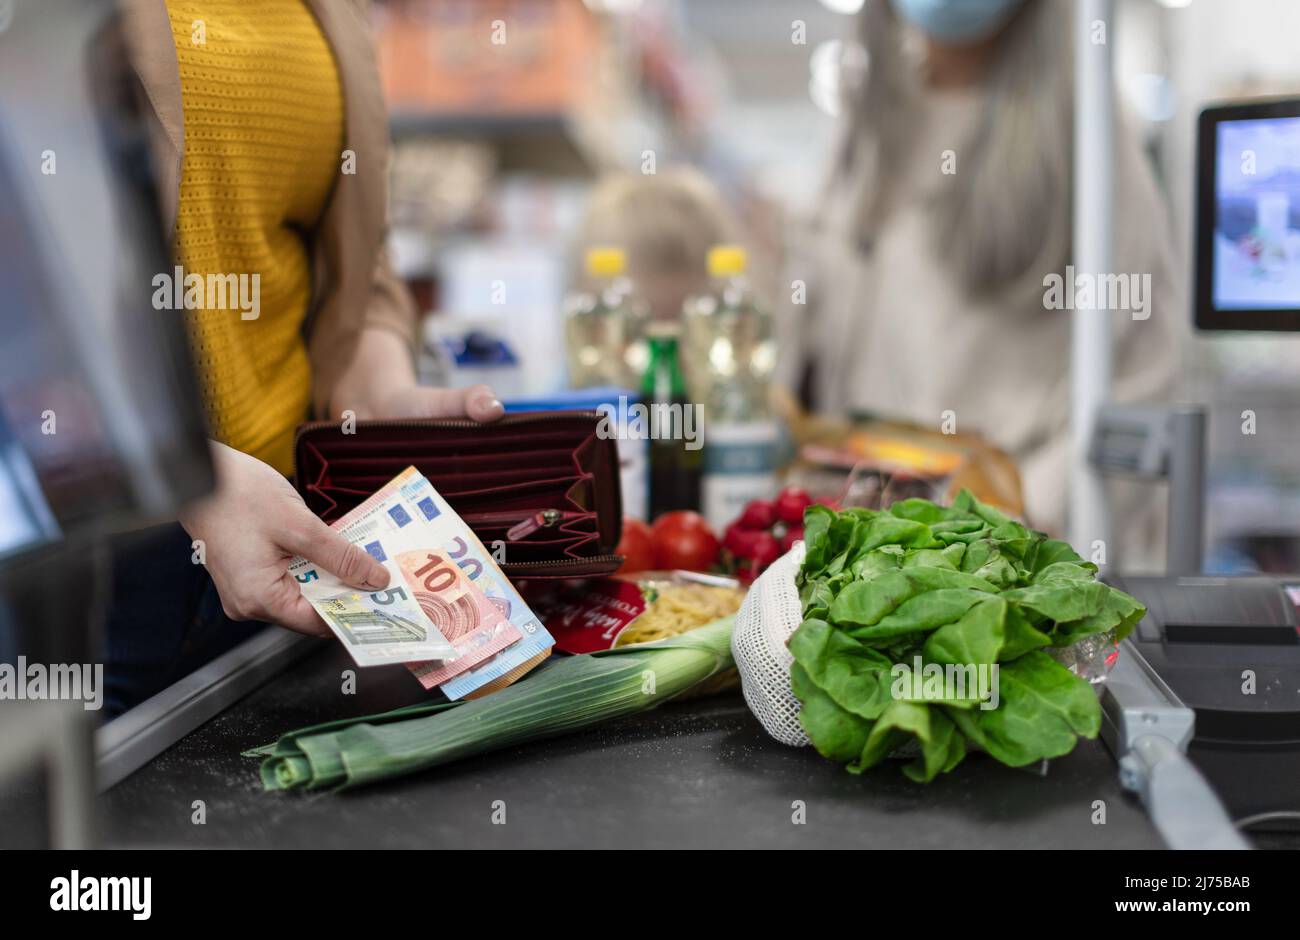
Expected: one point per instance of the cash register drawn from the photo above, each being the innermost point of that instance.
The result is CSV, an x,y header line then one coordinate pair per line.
x,y
1217,659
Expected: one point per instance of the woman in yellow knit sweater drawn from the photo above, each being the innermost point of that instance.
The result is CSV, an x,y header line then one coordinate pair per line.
x,y
269,139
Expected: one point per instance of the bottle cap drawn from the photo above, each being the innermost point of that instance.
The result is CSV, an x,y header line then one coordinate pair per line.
x,y
606,262
727,260
662,329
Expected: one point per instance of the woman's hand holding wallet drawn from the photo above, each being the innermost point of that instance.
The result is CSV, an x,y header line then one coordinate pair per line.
x,y
380,383
476,402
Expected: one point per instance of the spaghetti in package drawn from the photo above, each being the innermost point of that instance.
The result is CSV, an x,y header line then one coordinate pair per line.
x,y
623,610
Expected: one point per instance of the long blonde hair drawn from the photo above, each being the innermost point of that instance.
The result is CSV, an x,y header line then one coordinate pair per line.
x,y
1004,219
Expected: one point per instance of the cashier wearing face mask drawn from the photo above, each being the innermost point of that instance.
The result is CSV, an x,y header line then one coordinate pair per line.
x,y
947,206
270,142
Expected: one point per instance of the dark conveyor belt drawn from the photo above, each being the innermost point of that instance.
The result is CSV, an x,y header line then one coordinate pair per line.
x,y
698,773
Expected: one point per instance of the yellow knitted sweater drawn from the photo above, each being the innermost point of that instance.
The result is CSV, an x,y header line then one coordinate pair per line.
x,y
263,142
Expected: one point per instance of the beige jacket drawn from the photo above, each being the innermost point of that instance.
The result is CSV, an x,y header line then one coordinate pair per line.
x,y
891,332
354,286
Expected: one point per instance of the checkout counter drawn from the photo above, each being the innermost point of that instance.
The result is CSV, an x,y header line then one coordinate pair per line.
x,y
701,774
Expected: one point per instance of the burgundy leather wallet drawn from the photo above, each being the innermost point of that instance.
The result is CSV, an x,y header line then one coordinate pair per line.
x,y
545,484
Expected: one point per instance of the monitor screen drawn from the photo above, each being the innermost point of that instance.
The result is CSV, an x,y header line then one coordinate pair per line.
x,y
1257,215
1248,217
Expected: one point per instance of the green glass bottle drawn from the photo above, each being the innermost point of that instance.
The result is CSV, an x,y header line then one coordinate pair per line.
x,y
676,459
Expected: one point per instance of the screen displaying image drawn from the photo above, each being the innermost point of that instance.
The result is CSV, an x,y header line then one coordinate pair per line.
x,y
1257,215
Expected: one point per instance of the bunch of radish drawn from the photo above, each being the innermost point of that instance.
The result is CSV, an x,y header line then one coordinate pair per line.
x,y
764,531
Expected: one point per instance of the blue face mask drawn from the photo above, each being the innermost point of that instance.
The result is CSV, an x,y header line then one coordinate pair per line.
x,y
957,21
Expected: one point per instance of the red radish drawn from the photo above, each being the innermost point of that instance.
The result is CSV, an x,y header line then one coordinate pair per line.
x,y
792,535
766,529
790,504
757,514
740,541
737,540
766,550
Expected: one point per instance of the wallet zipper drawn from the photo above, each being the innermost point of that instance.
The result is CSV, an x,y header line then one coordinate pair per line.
x,y
563,562
531,522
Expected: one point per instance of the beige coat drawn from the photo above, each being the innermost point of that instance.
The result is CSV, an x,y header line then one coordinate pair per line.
x,y
891,332
354,286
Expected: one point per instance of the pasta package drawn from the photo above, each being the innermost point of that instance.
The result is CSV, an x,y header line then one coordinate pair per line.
x,y
623,610
627,610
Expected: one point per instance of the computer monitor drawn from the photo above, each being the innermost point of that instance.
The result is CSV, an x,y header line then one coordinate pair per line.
x,y
1248,216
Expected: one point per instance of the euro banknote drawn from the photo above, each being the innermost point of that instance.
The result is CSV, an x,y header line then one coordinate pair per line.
x,y
408,522
513,661
376,627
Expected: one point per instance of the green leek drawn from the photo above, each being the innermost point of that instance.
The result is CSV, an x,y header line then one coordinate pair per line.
x,y
563,695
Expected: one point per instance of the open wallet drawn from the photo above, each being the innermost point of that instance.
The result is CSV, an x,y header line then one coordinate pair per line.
x,y
543,483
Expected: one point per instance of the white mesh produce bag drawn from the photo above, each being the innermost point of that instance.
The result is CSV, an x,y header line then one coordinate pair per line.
x,y
770,613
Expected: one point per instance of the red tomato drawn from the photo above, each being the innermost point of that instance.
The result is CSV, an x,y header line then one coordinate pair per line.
x,y
682,539
636,546
758,514
790,504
